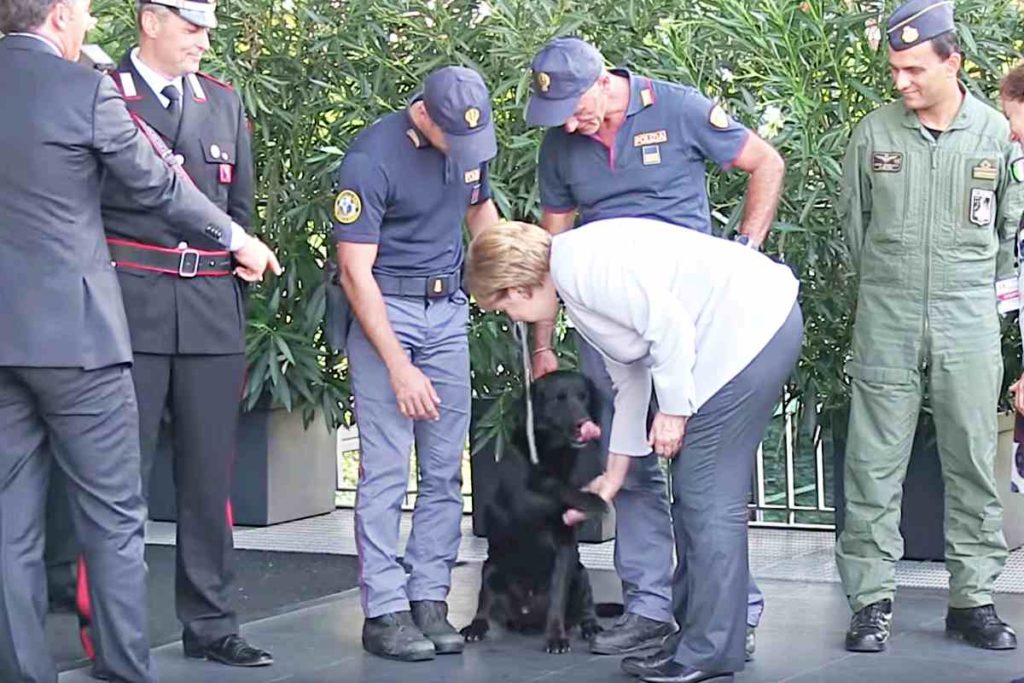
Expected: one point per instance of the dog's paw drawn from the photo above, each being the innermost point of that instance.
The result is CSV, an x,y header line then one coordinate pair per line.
x,y
589,629
476,631
558,646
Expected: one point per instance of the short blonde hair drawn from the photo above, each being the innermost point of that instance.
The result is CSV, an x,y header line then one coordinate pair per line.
x,y
507,255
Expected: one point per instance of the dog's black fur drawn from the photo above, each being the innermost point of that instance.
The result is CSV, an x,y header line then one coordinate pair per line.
x,y
533,579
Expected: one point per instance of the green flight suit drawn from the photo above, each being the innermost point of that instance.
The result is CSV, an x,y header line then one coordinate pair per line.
x,y
929,223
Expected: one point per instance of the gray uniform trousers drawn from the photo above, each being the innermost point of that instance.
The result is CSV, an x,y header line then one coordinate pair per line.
x,y
643,522
434,334
92,421
710,487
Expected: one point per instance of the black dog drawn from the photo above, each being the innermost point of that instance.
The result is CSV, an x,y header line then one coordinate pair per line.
x,y
533,578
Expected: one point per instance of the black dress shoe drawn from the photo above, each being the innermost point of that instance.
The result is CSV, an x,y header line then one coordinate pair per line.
x,y
395,636
431,616
870,627
631,633
673,672
643,665
981,627
232,650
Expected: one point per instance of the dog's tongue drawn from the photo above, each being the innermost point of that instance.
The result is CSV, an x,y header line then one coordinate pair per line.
x,y
589,431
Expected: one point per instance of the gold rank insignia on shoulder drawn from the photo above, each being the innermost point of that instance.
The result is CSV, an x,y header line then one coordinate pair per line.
x,y
909,35
347,207
985,170
472,176
718,118
887,162
472,117
543,81
655,137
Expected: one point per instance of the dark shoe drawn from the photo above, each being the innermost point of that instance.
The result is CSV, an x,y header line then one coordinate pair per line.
x,y
673,672
631,633
232,650
870,627
395,636
431,616
981,627
750,646
62,587
642,666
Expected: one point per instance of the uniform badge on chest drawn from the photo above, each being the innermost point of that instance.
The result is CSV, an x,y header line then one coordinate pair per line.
x,y
651,155
650,146
985,170
886,162
982,206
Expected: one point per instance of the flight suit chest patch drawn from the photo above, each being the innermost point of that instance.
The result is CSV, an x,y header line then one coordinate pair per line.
x,y
887,162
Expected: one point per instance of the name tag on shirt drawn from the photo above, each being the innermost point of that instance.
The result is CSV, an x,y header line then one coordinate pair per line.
x,y
656,137
651,155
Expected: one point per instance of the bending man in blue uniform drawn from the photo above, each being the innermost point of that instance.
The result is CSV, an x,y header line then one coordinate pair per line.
x,y
405,187
622,145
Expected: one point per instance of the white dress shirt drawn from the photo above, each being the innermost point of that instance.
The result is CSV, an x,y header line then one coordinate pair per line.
x,y
684,309
155,81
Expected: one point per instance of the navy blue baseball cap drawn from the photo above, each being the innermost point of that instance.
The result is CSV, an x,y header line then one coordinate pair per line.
x,y
563,70
917,21
458,102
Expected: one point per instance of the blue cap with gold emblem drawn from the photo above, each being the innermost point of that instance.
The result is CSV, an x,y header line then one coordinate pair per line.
x,y
563,70
917,21
458,102
202,13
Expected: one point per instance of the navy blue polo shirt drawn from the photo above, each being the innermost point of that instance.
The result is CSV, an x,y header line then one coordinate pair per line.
x,y
397,191
657,168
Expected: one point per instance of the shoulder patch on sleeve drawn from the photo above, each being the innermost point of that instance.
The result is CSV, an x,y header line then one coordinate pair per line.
x,y
215,81
347,207
718,118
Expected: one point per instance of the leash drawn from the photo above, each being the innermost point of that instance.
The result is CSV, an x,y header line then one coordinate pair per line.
x,y
520,331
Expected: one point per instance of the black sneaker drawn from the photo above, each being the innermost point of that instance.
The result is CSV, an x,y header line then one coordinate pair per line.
x,y
431,616
631,633
395,636
870,627
981,627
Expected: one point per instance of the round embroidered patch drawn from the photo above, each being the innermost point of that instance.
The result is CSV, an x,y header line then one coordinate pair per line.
x,y
347,207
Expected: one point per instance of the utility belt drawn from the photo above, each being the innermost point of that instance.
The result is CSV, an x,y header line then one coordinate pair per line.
x,y
183,261
338,312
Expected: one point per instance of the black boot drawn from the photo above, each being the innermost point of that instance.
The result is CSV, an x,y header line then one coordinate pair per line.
x,y
981,627
631,633
395,636
431,616
643,665
870,627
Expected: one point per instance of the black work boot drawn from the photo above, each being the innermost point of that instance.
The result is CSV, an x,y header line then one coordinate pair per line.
x,y
870,627
431,616
641,665
631,633
395,636
981,627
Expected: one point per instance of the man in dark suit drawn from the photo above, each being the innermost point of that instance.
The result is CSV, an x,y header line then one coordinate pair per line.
x,y
65,351
187,324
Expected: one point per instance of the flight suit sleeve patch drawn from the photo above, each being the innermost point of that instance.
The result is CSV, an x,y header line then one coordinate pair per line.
x,y
983,204
347,207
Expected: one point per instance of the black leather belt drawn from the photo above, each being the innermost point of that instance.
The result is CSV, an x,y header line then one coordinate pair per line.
x,y
431,286
184,261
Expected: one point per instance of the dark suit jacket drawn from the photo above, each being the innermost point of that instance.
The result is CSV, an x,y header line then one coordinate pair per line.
x,y
62,126
168,314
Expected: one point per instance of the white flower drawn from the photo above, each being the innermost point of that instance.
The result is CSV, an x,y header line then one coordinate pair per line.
x,y
873,33
288,5
772,121
725,74
483,9
392,38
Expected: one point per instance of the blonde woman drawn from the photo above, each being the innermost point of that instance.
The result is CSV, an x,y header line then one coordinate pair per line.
x,y
715,328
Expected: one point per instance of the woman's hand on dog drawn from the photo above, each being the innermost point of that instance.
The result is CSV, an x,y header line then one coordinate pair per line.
x,y
416,396
667,431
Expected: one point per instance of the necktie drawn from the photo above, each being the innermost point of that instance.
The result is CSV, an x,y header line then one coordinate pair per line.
x,y
172,93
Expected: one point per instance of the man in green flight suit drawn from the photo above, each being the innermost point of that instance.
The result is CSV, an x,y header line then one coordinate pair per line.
x,y
930,210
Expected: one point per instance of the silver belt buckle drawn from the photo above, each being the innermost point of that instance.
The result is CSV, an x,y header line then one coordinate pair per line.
x,y
188,264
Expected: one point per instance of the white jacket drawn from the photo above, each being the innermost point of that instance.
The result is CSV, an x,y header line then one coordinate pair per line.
x,y
660,302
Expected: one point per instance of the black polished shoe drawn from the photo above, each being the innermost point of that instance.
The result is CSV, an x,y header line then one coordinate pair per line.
x,y
870,627
431,616
631,633
750,644
981,627
395,636
673,672
232,650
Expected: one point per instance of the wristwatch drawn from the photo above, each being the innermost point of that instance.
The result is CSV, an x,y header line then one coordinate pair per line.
x,y
745,241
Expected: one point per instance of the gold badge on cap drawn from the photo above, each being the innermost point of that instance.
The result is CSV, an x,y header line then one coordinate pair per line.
x,y
909,35
543,81
473,117
718,118
347,207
